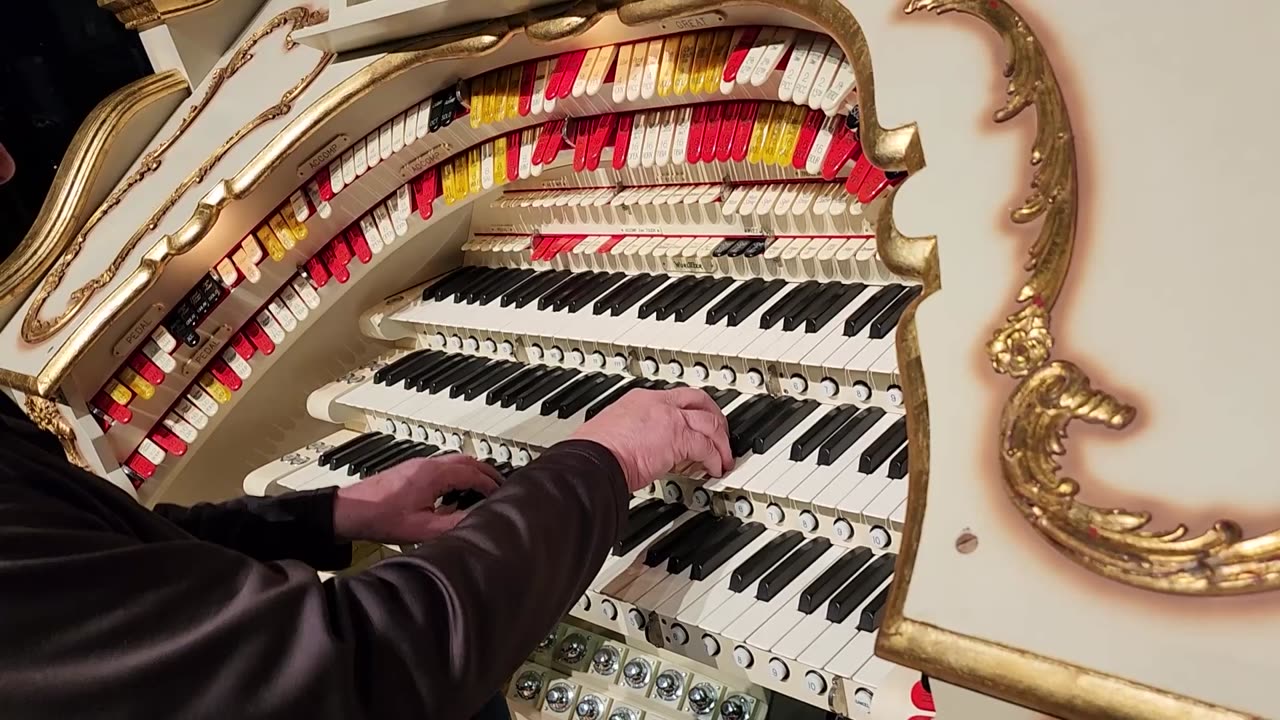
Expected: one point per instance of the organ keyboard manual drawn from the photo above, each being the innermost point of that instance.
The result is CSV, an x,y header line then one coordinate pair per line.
x,y
904,245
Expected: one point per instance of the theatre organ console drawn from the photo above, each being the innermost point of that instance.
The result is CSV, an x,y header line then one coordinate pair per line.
x,y
382,230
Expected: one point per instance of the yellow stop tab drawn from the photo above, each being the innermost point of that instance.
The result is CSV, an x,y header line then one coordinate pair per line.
x,y
137,383
215,388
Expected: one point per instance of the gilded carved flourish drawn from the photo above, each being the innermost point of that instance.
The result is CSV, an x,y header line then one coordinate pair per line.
x,y
35,327
1053,393
46,415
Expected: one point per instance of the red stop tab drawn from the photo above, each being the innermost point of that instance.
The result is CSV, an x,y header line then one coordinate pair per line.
x,y
808,134
729,119
242,345
259,338
693,150
147,369
225,375
843,146
112,409
600,133
710,132
316,271
527,77
571,68
556,76
165,438
581,136
873,183
739,53
742,134
359,245
622,141
141,466
513,157
609,244
324,184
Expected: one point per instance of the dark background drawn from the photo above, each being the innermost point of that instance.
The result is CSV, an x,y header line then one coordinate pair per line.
x,y
58,58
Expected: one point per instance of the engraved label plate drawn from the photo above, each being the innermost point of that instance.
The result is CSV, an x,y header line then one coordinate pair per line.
x,y
425,160
322,156
140,330
694,22
206,351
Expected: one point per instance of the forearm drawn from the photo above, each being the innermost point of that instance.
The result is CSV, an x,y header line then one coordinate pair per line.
x,y
293,526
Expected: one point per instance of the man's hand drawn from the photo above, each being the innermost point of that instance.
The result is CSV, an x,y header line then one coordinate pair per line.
x,y
653,431
397,505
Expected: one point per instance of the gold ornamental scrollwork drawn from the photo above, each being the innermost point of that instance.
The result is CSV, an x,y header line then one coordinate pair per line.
x,y
46,416
36,327
1052,393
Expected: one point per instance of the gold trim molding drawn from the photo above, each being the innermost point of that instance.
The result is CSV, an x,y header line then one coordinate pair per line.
x,y
35,327
65,203
46,416
1049,395
146,14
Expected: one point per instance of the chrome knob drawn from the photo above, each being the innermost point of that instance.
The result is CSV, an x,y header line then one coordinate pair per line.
x,y
559,697
668,685
623,713
528,685
733,708
636,673
702,698
589,708
606,660
547,642
572,649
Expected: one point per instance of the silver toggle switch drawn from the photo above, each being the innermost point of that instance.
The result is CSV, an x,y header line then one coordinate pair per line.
x,y
605,661
636,673
528,685
572,649
560,697
668,685
702,699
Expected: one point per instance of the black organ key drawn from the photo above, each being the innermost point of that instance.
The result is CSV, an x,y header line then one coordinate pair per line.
x,y
419,380
504,469
512,282
518,380
898,466
753,303
690,290
756,248
643,531
472,293
534,281
738,248
485,382
607,283
824,315
873,611
390,374
662,547
328,456
769,436
871,308
546,387
463,372
790,568
708,292
361,466
683,553
572,406
739,295
763,559
591,289
789,304
358,454
527,292
832,579
564,289
443,286
842,439
724,396
639,514
421,364
650,306
515,391
888,319
458,292
708,560
758,412
812,439
860,588
612,397
552,404
723,247
882,447
735,415
462,499
656,285
403,454
811,305
628,286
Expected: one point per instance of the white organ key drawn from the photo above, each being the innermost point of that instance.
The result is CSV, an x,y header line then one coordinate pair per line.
x,y
821,143
826,76
680,141
424,119
809,72
834,329
880,510
584,73
649,82
754,55
384,141
537,103
621,71
841,85
787,87
635,74
759,614
853,656
839,488
778,44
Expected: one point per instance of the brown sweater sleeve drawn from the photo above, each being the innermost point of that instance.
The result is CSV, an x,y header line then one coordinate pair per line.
x,y
102,623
